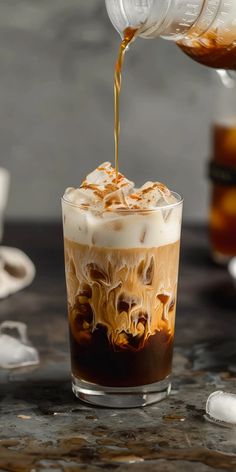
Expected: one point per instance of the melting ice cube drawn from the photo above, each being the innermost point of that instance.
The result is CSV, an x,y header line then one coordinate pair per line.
x,y
16,351
100,176
152,195
221,406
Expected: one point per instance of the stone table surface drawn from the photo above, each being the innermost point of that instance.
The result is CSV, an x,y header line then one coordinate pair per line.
x,y
43,427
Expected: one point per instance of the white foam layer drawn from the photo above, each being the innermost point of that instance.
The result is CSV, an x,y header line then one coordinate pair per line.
x,y
154,229
97,215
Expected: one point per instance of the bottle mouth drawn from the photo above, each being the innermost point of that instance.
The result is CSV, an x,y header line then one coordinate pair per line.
x,y
124,14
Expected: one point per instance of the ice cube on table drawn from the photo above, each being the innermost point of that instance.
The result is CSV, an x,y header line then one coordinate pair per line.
x,y
221,406
16,352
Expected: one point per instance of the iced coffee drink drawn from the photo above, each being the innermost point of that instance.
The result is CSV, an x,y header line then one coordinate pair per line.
x,y
121,259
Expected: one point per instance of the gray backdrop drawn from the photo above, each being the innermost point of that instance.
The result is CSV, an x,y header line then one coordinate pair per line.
x,y
56,106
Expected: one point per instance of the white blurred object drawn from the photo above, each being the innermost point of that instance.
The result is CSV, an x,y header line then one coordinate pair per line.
x,y
221,406
228,78
16,271
232,269
4,187
16,351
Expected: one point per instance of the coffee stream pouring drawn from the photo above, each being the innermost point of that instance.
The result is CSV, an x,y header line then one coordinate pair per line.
x,y
204,29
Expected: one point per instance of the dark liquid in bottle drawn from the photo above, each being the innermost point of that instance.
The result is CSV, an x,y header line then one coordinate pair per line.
x,y
223,202
211,51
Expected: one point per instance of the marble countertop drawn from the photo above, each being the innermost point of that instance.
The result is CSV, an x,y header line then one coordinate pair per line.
x,y
43,427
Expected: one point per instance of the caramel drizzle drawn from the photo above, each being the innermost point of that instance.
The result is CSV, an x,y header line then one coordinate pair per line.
x,y
129,35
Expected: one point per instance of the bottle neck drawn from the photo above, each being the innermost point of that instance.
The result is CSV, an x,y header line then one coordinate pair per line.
x,y
170,19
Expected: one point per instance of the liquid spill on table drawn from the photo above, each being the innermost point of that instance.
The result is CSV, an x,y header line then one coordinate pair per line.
x,y
45,428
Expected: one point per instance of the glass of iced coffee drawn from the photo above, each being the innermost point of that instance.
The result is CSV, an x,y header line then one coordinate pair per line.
x,y
121,261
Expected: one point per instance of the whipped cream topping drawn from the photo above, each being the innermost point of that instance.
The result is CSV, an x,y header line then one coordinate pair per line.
x,y
108,211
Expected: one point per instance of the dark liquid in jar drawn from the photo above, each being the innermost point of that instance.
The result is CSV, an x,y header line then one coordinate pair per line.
x,y
223,201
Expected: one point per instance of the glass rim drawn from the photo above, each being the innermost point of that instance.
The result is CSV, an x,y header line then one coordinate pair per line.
x,y
169,206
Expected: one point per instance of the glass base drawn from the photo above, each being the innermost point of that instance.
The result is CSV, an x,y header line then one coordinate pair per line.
x,y
125,397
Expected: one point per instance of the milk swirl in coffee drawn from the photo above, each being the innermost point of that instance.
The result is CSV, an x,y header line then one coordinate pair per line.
x,y
121,253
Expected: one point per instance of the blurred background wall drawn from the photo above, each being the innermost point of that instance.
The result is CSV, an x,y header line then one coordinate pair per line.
x,y
56,107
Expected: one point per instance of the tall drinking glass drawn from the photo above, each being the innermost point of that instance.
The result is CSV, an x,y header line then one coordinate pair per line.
x,y
121,276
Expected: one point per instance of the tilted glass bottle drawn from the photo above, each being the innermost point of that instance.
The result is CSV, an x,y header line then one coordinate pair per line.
x,y
203,29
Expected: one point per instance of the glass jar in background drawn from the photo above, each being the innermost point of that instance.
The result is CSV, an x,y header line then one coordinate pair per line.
x,y
222,172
